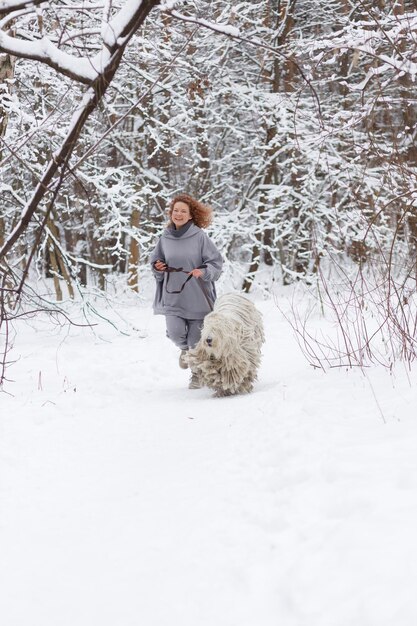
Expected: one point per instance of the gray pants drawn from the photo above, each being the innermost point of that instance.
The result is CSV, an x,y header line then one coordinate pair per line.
x,y
184,333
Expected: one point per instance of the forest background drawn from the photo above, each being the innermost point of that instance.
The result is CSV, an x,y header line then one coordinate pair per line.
x,y
295,120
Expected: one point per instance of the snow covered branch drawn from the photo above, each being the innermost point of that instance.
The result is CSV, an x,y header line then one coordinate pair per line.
x,y
224,29
116,37
115,34
9,6
43,50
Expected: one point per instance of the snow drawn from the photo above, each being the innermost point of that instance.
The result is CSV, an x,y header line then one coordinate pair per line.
x,y
83,69
168,5
113,31
12,5
224,29
44,50
128,499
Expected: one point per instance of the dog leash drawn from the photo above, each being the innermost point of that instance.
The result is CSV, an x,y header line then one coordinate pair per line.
x,y
169,270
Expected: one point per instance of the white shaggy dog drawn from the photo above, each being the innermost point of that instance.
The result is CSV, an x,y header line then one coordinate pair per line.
x,y
228,354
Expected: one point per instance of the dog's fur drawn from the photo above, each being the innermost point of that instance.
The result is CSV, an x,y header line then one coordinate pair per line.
x,y
228,354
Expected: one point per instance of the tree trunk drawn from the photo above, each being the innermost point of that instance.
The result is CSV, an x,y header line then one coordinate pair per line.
x,y
133,264
278,17
6,73
97,89
58,263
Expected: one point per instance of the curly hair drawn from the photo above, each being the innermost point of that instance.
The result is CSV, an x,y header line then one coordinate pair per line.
x,y
200,213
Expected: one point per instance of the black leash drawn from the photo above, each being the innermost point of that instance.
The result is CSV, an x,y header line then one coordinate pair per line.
x,y
170,270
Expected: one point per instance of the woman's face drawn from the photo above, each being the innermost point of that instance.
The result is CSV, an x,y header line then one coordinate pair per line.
x,y
180,214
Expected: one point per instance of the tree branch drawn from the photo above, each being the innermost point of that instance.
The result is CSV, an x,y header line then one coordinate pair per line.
x,y
9,6
129,25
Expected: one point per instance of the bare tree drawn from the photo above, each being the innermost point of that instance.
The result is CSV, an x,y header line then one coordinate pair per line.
x,y
96,73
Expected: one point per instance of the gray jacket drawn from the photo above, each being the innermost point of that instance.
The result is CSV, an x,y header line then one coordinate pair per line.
x,y
188,250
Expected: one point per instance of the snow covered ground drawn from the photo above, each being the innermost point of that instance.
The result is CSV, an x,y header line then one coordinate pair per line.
x,y
127,499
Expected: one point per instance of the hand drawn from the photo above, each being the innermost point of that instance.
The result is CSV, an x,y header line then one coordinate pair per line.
x,y
196,273
160,265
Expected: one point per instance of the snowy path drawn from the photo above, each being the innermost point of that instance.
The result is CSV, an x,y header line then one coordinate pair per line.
x,y
127,499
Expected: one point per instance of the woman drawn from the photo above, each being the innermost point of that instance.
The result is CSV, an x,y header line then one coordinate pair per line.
x,y
186,296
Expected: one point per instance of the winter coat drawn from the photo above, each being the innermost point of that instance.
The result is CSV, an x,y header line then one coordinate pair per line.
x,y
188,249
